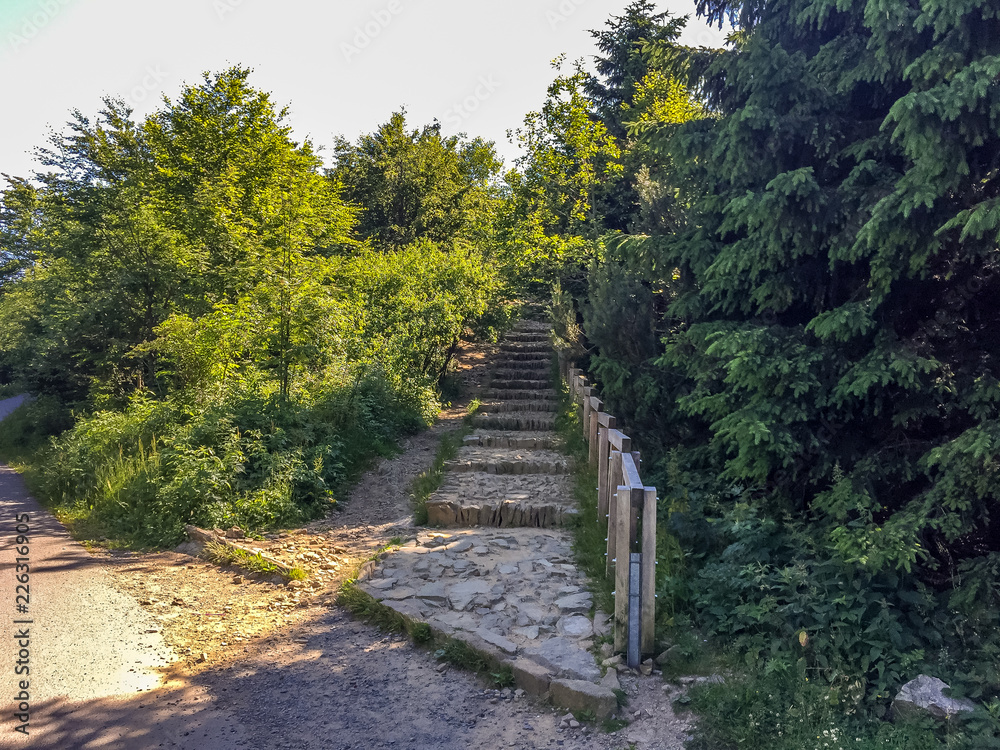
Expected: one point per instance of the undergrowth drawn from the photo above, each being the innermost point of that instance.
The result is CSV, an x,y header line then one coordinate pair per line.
x,y
589,532
424,485
224,554
29,428
239,456
784,710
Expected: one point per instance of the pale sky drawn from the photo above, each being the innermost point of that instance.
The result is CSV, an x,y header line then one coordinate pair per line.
x,y
342,66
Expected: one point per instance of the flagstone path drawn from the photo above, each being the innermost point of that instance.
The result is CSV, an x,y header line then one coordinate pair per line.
x,y
502,577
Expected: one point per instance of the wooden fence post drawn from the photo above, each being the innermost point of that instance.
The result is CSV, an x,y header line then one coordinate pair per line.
x,y
636,506
606,424
620,529
614,480
595,423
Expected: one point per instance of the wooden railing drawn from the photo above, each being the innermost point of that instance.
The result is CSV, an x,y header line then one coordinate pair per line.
x,y
622,500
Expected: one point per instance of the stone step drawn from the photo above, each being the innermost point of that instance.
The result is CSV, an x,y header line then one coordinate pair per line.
x,y
532,325
505,407
510,461
535,349
523,440
502,500
519,356
516,589
523,372
500,394
516,421
528,337
521,385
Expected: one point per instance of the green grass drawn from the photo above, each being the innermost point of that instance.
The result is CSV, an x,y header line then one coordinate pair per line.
x,y
427,481
462,655
9,390
223,554
610,726
589,532
783,711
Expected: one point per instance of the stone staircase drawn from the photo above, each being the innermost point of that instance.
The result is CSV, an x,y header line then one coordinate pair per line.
x,y
507,473
502,579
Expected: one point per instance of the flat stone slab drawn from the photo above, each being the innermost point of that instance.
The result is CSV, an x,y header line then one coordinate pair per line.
x,y
565,656
509,461
497,587
502,500
522,420
521,440
519,404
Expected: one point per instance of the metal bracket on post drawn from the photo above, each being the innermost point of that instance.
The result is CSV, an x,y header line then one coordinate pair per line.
x,y
633,652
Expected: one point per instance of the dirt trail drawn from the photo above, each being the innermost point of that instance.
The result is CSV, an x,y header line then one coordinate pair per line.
x,y
265,667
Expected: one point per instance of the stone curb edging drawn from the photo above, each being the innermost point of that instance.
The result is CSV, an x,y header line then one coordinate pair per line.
x,y
535,679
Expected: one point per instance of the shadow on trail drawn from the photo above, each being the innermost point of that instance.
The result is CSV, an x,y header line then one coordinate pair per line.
x,y
331,684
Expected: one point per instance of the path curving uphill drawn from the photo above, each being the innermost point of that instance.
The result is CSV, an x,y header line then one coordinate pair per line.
x,y
503,578
319,680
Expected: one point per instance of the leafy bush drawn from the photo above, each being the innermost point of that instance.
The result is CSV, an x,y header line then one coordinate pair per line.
x,y
783,710
244,457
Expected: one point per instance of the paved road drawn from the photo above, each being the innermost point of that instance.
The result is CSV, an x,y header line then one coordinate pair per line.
x,y
86,652
8,405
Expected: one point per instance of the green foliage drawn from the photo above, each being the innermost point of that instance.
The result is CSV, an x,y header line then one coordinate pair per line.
x,y
589,532
406,310
417,185
206,204
243,457
551,212
224,554
192,284
801,331
426,482
29,427
782,709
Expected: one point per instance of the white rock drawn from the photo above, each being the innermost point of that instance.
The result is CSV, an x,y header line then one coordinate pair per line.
x,y
575,603
497,640
460,595
576,626
925,695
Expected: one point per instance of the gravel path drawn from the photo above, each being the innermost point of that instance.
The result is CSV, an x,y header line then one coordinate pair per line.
x,y
324,680
84,648
8,405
